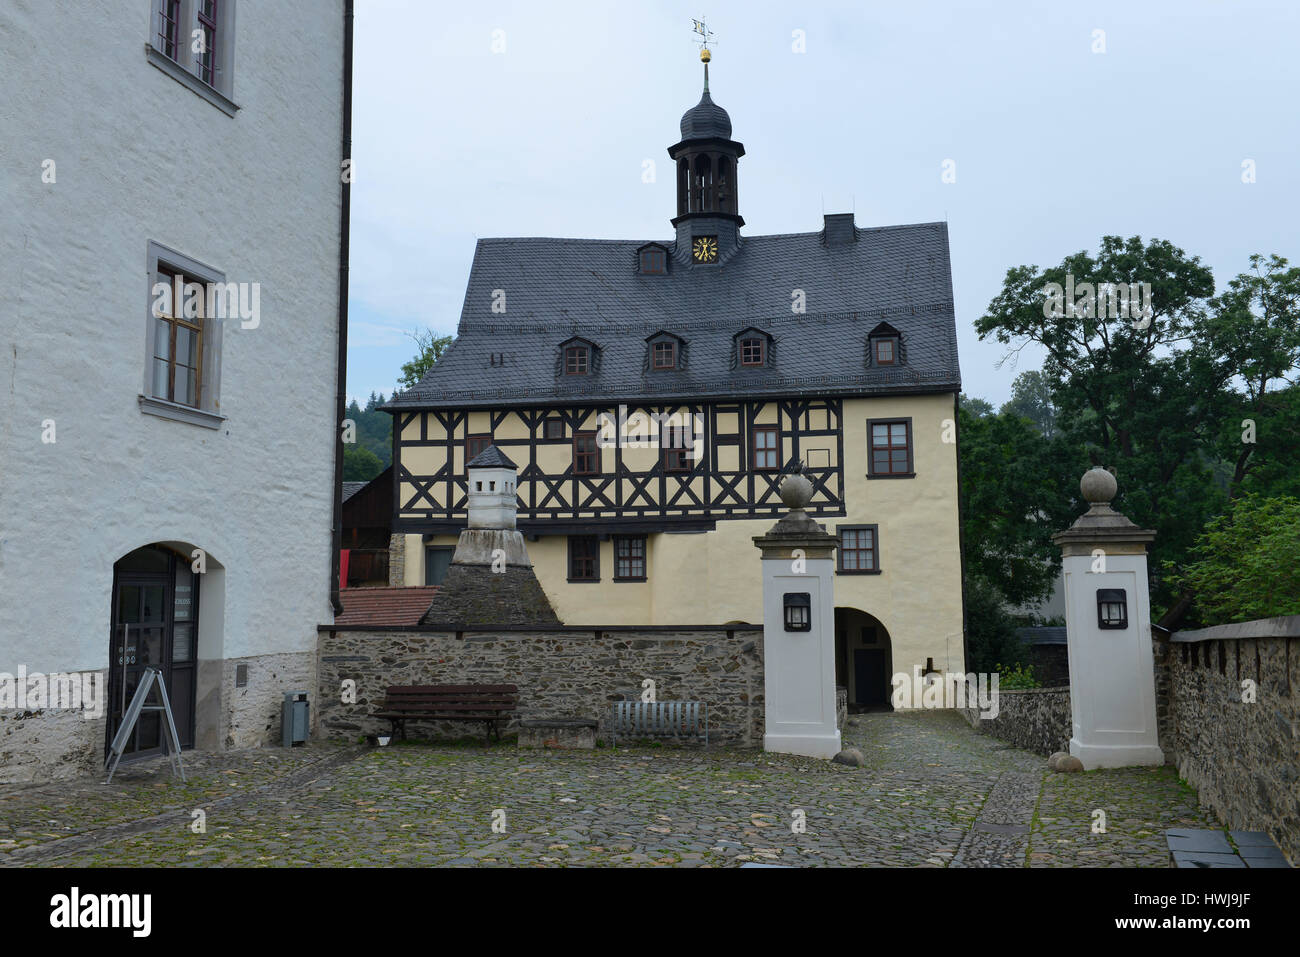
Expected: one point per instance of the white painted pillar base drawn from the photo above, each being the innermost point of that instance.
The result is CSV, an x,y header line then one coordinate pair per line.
x,y
809,745
1096,756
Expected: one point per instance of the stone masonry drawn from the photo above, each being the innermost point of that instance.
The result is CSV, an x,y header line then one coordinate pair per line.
x,y
1036,719
1242,757
560,672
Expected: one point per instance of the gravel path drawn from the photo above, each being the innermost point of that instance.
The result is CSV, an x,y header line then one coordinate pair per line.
x,y
933,793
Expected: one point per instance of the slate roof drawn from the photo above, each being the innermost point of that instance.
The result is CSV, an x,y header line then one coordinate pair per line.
x,y
706,120
556,289
352,488
491,458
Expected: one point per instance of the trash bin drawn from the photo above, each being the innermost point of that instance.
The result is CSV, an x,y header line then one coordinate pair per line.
x,y
296,718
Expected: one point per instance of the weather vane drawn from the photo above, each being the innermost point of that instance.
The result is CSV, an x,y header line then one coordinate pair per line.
x,y
700,27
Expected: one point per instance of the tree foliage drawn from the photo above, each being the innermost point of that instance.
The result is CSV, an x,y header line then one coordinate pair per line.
x,y
1162,397
1245,562
360,464
430,348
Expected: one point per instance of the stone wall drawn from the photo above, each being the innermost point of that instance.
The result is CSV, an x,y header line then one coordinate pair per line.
x,y
48,744
251,717
397,560
1242,757
560,672
1036,719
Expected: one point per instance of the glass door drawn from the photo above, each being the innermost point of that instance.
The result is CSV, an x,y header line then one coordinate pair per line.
x,y
139,641
155,623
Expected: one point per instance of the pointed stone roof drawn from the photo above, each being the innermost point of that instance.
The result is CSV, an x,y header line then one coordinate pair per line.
x,y
491,458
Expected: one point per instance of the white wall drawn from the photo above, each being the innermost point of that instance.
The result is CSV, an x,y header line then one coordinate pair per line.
x,y
141,157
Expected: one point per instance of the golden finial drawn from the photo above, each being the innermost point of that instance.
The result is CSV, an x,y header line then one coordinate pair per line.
x,y
705,55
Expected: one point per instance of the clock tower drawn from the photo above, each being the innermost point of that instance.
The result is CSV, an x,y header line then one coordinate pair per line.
x,y
708,220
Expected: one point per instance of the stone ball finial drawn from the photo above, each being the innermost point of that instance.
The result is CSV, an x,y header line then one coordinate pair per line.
x,y
796,491
1098,485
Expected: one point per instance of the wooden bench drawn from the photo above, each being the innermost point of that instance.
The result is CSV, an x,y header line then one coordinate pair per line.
x,y
650,719
487,703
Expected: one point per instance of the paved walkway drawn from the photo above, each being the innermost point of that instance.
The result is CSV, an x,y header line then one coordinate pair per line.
x,y
934,793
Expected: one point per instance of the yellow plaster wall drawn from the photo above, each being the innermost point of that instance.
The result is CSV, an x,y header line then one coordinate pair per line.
x,y
713,578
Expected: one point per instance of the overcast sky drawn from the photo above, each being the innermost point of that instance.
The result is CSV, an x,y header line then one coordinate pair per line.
x,y
1054,145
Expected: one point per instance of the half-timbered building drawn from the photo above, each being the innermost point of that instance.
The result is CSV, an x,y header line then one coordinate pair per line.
x,y
653,392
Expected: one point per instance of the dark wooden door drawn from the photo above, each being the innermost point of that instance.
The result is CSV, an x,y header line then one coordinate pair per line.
x,y
870,683
154,624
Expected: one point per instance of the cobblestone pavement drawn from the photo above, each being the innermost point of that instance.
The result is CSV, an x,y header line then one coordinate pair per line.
x,y
933,793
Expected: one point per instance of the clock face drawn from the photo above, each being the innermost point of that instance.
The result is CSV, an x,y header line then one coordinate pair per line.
x,y
705,249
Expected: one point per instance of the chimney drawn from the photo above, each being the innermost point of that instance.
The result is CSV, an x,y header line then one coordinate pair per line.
x,y
839,229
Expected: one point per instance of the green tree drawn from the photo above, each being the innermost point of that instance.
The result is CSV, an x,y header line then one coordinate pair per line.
x,y
1140,393
1018,488
976,407
1031,398
1245,562
431,348
360,464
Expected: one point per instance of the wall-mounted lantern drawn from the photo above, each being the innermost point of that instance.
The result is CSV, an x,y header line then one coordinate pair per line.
x,y
1112,608
798,611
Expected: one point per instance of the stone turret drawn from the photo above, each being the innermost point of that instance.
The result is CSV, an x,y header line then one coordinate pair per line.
x,y
490,580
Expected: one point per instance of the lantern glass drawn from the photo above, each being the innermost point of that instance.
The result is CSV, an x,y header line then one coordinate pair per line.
x,y
798,611
1112,608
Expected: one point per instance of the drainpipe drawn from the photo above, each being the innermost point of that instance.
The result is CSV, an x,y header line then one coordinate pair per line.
x,y
341,376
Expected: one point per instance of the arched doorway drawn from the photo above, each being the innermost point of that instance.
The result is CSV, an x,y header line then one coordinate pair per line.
x,y
154,623
864,661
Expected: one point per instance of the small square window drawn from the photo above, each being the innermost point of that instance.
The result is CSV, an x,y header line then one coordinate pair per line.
x,y
576,360
766,441
886,352
678,448
857,551
751,352
586,454
653,262
554,428
475,444
891,448
629,558
665,355
584,558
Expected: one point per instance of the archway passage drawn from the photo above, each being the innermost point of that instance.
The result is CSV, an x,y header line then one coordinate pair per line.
x,y
155,620
863,660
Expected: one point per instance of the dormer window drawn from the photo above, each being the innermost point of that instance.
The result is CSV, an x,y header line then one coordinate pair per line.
x,y
752,348
577,356
884,346
665,351
653,260
886,351
577,360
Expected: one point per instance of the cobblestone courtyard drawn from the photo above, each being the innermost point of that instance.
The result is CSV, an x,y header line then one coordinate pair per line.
x,y
933,793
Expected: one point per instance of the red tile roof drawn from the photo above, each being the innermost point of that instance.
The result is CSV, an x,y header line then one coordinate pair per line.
x,y
384,607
